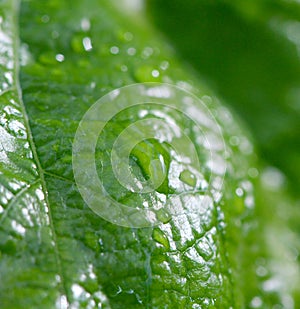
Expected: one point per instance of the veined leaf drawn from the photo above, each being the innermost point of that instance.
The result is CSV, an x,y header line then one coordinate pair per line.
x,y
56,252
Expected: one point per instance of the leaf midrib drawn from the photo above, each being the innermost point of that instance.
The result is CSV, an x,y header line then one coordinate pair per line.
x,y
40,170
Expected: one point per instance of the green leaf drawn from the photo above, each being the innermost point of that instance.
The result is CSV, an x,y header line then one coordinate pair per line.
x,y
54,250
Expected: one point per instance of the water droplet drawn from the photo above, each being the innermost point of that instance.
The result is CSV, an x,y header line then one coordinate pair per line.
x,y
55,34
234,140
147,52
189,178
45,18
261,271
60,57
239,192
155,73
77,290
114,50
131,51
85,24
164,65
161,238
124,68
87,43
256,302
253,172
272,178
144,74
163,216
128,36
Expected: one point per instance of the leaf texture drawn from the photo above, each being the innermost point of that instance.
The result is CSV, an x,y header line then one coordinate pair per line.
x,y
54,251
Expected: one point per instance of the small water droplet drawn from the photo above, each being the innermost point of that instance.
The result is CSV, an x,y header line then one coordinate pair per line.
x,y
234,140
114,50
164,65
54,34
256,302
253,172
273,178
128,36
161,238
85,24
239,192
163,216
45,18
147,52
124,68
261,271
144,74
131,51
189,178
87,43
60,57
155,73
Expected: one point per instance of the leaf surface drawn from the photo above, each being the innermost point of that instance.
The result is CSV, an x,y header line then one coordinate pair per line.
x,y
54,251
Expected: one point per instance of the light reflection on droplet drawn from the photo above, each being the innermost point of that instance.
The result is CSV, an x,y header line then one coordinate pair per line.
x,y
114,50
61,302
234,140
87,43
18,227
147,52
85,24
45,19
128,36
60,57
272,178
256,302
155,73
253,172
239,192
124,68
54,34
77,290
131,51
164,65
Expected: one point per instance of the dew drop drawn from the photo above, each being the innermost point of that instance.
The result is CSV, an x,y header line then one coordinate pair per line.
x,y
189,178
164,65
128,36
54,34
155,73
60,57
45,18
147,52
273,178
114,50
234,140
163,216
131,51
144,73
253,172
87,43
85,24
256,302
161,238
239,192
